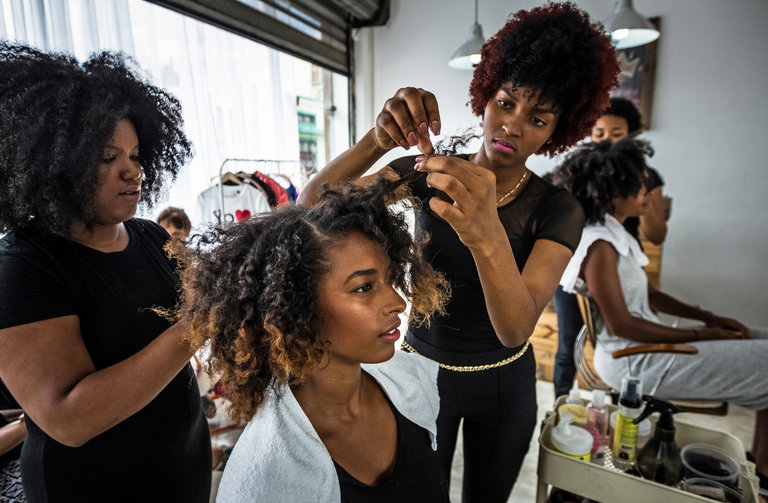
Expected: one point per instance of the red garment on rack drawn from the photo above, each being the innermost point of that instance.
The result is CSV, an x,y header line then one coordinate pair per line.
x,y
281,195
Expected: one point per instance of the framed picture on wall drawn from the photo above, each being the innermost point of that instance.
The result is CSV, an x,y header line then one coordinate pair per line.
x,y
638,72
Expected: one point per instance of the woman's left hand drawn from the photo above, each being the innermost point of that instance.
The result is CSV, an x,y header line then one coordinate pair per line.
x,y
473,212
714,320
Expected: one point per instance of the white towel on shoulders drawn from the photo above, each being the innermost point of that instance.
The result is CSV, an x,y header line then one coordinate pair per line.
x,y
614,233
279,458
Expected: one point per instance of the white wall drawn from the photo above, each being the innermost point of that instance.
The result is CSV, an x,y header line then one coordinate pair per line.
x,y
709,120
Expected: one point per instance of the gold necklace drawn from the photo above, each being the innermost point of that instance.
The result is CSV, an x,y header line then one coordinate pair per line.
x,y
522,179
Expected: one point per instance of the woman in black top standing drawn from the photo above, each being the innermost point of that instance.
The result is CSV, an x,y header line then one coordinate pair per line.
x,y
500,234
112,409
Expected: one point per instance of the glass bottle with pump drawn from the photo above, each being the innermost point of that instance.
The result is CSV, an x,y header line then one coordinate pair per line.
x,y
625,436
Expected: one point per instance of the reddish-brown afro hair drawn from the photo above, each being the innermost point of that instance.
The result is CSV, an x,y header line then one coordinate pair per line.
x,y
558,51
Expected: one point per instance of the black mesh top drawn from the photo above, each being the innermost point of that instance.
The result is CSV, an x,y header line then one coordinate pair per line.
x,y
540,211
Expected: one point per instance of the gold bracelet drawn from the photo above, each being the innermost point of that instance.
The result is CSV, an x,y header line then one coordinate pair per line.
x,y
473,368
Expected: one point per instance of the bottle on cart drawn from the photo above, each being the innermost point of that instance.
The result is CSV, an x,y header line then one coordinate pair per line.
x,y
659,460
574,395
625,436
597,425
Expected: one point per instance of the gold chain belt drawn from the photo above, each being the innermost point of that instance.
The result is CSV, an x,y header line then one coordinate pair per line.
x,y
473,368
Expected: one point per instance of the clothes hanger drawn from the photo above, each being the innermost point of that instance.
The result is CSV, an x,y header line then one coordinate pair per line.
x,y
231,177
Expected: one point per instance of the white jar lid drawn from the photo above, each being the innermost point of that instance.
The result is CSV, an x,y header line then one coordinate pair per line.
x,y
571,439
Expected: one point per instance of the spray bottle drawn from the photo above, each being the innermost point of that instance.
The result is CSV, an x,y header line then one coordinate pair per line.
x,y
659,460
597,425
625,436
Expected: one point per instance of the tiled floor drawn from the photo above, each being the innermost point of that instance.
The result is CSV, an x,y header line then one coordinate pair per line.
x,y
738,422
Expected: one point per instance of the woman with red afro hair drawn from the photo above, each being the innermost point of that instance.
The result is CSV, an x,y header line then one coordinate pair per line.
x,y
500,234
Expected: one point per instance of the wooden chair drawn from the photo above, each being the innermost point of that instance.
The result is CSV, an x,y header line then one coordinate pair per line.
x,y
589,376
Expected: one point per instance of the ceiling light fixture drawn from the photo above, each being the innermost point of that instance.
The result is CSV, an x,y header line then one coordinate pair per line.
x,y
628,28
468,55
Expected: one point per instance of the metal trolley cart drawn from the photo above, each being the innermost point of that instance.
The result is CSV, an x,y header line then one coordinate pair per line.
x,y
608,485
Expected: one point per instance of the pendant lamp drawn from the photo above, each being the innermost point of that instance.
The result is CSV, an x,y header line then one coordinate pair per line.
x,y
628,28
468,54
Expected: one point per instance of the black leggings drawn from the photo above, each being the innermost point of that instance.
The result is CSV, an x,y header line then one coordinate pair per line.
x,y
499,411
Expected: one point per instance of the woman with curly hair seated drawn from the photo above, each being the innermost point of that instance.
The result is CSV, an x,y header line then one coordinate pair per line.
x,y
302,308
501,235
620,120
112,411
610,182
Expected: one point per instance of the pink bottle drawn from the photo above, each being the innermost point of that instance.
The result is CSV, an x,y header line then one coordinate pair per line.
x,y
597,425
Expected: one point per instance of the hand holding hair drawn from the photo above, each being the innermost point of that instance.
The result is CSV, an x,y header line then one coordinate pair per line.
x,y
472,213
407,119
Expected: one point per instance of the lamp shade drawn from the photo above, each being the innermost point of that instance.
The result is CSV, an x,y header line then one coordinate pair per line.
x,y
628,28
468,54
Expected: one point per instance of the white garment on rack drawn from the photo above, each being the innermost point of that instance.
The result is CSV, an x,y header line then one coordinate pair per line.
x,y
244,199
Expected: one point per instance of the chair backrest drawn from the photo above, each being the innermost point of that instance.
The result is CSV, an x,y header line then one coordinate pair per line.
x,y
585,308
587,334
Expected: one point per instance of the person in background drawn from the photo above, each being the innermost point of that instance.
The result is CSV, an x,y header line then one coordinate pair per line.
x,y
610,183
13,431
301,310
111,407
620,120
501,235
176,222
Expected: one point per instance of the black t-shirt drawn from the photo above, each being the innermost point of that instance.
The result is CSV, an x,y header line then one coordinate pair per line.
x,y
418,475
540,211
162,452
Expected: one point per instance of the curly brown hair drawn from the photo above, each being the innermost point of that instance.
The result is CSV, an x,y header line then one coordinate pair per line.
x,y
250,289
557,51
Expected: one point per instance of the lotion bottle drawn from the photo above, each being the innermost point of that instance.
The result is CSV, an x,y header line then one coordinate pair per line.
x,y
574,395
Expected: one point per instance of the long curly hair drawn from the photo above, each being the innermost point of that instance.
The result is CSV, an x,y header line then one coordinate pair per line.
x,y
56,116
250,289
596,173
558,51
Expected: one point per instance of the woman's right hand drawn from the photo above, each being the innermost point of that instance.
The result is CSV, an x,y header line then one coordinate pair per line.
x,y
406,120
719,333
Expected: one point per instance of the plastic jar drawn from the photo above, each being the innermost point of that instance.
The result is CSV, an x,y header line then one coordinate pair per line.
x,y
707,461
571,440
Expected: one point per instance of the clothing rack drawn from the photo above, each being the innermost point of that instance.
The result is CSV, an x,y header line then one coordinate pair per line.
x,y
275,162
